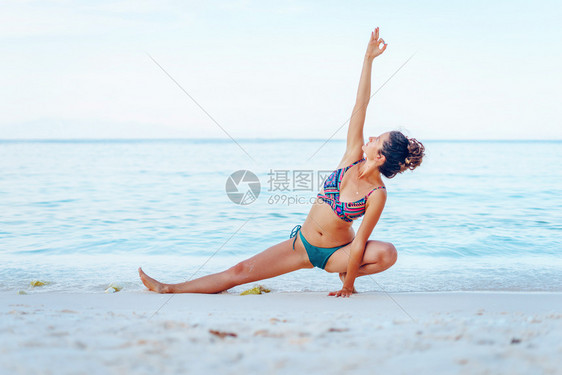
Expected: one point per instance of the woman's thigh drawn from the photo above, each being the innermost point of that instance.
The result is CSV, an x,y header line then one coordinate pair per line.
x,y
274,261
375,251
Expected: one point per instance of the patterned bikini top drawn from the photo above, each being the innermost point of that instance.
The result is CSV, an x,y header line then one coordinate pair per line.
x,y
347,211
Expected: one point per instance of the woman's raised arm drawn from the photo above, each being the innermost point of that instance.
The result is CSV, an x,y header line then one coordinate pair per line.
x,y
355,139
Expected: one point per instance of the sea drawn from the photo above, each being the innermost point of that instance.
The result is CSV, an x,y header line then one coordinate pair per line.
x,y
80,215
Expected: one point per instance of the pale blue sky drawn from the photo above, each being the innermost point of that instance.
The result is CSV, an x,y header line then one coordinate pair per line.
x,y
483,69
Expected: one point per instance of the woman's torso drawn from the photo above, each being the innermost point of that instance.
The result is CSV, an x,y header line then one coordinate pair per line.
x,y
324,227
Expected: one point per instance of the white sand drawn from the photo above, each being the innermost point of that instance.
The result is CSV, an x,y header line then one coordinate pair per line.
x,y
285,333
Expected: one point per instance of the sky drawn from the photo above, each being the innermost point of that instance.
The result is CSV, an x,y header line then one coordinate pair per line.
x,y
278,69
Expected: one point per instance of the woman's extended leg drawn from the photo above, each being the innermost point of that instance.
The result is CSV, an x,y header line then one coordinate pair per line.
x,y
274,261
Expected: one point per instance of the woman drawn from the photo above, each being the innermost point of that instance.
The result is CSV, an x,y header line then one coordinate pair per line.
x,y
326,239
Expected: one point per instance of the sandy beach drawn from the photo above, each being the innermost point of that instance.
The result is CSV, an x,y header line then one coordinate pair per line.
x,y
278,333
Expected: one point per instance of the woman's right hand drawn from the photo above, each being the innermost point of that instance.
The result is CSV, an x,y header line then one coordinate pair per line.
x,y
374,48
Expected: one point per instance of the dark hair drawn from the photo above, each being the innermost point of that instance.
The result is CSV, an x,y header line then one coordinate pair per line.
x,y
401,153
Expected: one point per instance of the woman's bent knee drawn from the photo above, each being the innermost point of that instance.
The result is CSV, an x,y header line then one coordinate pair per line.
x,y
389,255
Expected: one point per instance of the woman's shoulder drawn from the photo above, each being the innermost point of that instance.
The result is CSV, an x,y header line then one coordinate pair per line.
x,y
377,196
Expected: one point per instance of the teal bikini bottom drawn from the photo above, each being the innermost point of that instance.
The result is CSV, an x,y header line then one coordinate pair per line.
x,y
318,255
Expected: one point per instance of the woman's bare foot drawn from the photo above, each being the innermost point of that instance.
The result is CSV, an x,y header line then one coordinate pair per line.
x,y
152,284
342,278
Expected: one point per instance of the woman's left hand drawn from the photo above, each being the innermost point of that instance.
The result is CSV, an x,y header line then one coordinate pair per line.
x,y
344,292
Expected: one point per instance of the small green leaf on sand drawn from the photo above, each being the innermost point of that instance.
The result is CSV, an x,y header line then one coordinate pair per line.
x,y
22,292
35,283
258,289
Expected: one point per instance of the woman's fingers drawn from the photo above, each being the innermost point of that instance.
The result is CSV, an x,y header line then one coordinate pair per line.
x,y
376,33
383,43
340,293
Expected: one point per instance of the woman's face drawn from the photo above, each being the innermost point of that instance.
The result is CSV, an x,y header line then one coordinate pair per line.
x,y
373,148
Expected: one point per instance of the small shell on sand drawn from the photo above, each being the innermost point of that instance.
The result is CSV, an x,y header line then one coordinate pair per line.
x,y
113,288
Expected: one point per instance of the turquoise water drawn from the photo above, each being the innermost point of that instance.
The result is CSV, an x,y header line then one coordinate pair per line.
x,y
477,215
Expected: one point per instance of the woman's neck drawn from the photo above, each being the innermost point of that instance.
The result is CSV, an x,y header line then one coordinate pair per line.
x,y
369,172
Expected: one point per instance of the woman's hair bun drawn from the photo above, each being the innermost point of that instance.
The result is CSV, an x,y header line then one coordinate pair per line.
x,y
415,154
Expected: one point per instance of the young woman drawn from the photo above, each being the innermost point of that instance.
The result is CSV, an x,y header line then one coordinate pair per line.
x,y
326,238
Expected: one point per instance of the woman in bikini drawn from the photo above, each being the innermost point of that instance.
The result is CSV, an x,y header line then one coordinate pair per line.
x,y
326,239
